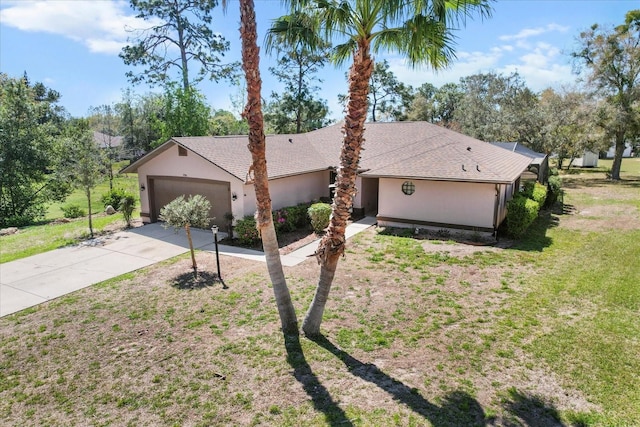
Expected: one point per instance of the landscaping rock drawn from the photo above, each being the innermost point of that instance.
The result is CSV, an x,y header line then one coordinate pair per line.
x,y
109,210
8,231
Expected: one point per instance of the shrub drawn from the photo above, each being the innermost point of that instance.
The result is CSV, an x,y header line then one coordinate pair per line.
x,y
539,194
127,205
521,212
554,190
291,218
281,221
319,213
113,197
72,211
247,231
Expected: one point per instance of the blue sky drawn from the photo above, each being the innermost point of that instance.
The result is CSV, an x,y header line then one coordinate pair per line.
x,y
72,46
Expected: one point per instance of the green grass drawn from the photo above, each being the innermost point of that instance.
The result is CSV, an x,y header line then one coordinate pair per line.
x,y
630,167
414,337
128,182
48,235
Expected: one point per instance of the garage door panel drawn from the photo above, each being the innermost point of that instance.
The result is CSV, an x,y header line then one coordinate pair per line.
x,y
218,193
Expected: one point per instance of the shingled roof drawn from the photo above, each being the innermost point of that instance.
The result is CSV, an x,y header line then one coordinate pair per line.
x,y
417,150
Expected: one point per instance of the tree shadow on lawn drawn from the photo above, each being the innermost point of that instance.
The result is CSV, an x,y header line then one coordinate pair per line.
x,y
459,409
533,411
577,182
322,400
188,281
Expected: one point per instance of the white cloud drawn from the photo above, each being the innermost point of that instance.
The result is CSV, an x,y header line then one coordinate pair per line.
x,y
526,33
100,25
468,63
541,67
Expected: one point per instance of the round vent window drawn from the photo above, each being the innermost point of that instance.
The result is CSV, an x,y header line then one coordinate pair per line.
x,y
408,188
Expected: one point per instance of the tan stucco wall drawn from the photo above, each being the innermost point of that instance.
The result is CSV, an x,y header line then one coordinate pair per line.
x,y
289,191
456,203
169,164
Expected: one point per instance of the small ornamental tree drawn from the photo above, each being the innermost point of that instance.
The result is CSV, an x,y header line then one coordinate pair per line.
x,y
192,211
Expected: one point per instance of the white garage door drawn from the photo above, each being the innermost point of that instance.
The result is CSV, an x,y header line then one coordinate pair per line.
x,y
165,189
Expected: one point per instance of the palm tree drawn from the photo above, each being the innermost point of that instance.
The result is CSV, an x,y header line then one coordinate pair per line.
x,y
253,114
419,29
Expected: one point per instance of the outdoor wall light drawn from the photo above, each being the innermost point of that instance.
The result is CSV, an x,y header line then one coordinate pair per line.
x,y
142,187
234,196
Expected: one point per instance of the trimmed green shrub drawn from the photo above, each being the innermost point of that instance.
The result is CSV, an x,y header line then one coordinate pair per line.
x,y
554,190
521,212
73,211
247,231
319,213
539,194
113,197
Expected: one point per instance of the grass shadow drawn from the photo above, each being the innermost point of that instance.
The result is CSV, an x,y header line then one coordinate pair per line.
x,y
188,281
459,409
533,411
322,400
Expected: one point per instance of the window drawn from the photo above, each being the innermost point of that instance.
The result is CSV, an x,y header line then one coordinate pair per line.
x,y
408,188
182,151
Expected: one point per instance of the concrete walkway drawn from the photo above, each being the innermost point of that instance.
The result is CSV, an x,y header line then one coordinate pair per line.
x,y
30,281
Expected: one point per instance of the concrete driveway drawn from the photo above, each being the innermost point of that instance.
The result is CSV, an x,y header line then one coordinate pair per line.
x,y
30,281
39,278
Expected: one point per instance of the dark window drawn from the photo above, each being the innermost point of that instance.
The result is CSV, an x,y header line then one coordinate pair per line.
x,y
408,188
182,151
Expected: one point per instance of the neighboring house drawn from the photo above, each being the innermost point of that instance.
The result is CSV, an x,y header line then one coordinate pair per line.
x,y
112,144
611,152
412,174
539,166
587,160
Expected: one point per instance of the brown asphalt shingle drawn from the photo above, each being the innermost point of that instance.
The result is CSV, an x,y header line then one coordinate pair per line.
x,y
418,150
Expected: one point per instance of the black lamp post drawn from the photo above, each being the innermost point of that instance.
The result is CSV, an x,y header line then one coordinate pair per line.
x,y
214,230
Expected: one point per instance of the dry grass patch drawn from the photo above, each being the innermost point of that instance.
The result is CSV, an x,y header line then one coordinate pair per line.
x,y
417,332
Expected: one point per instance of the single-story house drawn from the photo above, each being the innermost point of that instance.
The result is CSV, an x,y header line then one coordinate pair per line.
x,y
109,143
411,174
539,166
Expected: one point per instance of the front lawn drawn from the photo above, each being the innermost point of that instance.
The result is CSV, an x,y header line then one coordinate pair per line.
x,y
542,332
51,233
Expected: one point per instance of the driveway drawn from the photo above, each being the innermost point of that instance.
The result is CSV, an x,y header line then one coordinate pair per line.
x,y
30,281
39,278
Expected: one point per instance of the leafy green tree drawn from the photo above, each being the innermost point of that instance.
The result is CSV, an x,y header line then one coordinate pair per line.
x,y
140,118
185,114
181,26
104,119
421,30
224,122
182,212
257,146
296,109
495,107
389,99
84,162
30,151
446,99
612,60
569,126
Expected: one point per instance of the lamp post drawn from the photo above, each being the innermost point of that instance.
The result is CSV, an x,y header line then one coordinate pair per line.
x,y
214,230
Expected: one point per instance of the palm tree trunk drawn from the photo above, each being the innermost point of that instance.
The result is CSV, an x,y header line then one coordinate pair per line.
x,y
331,246
254,117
